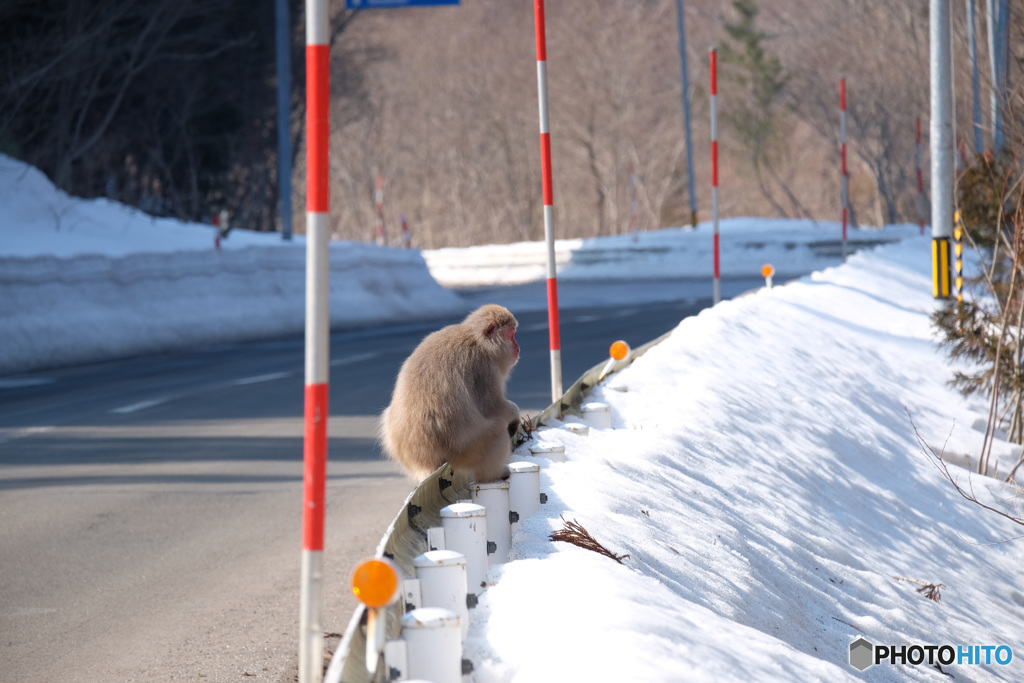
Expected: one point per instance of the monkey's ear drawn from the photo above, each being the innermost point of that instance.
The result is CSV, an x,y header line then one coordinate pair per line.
x,y
491,329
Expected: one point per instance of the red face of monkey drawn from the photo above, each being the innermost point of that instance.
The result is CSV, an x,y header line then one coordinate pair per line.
x,y
511,334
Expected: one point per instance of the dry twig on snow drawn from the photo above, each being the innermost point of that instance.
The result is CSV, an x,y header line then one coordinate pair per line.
x,y
574,533
928,590
524,433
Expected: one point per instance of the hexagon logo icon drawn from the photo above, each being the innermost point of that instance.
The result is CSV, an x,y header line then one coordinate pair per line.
x,y
862,654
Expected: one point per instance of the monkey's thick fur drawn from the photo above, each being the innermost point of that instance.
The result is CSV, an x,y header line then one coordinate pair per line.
x,y
449,400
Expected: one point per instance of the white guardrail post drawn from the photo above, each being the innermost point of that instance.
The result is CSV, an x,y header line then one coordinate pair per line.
x,y
523,491
465,531
493,495
443,583
433,643
597,414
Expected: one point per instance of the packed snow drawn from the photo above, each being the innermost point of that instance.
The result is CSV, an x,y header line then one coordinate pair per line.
x,y
762,471
89,280
792,247
763,475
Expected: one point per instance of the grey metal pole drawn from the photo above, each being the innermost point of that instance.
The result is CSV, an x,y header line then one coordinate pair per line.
x,y
993,26
972,46
1002,34
284,110
941,144
681,25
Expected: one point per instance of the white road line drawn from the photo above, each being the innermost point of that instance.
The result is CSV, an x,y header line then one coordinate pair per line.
x,y
269,377
17,383
357,358
141,405
14,433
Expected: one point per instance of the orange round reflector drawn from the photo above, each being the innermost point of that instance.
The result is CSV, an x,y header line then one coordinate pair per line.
x,y
619,350
375,582
767,270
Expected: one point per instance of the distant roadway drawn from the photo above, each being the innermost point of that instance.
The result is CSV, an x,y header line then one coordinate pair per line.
x,y
151,506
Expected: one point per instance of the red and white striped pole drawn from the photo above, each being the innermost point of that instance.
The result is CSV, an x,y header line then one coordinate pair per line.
x,y
382,239
842,143
634,204
406,236
549,232
717,284
920,178
311,640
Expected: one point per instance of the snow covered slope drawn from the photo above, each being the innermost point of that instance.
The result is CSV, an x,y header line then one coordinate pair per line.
x,y
764,477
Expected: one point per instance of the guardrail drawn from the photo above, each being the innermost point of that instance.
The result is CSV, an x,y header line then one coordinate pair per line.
x,y
406,538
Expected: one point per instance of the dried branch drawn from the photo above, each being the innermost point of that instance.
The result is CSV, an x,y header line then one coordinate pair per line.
x,y
928,590
524,433
574,533
1020,460
938,463
848,624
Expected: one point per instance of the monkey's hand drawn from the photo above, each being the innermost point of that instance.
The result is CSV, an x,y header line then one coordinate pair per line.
x,y
511,412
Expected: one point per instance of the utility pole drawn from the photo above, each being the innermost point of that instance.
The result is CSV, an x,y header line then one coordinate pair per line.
x,y
844,189
996,16
972,47
941,144
284,117
680,24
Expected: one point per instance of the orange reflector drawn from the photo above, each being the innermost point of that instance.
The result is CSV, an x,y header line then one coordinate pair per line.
x,y
767,270
619,350
375,583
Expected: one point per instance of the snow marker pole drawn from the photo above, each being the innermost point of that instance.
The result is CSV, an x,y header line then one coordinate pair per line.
x,y
920,178
716,283
311,637
845,175
958,250
549,233
634,204
378,197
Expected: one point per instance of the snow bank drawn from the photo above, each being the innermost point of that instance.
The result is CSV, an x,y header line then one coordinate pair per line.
x,y
793,247
57,311
37,219
88,280
764,477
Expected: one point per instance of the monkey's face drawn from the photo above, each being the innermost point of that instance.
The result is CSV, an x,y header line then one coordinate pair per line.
x,y
511,334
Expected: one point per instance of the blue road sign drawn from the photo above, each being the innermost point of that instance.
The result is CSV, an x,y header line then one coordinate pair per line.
x,y
387,4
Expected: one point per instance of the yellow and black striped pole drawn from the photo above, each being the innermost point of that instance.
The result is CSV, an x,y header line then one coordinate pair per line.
x,y
940,267
958,250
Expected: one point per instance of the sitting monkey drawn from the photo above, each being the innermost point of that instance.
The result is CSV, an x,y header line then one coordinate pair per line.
x,y
449,402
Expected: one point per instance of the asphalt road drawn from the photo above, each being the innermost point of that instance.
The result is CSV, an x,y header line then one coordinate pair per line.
x,y
151,507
